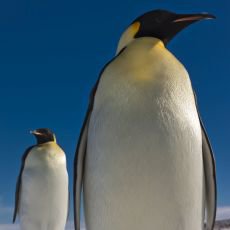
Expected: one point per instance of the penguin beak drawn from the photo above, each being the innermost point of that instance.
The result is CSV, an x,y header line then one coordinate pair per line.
x,y
192,17
180,21
36,133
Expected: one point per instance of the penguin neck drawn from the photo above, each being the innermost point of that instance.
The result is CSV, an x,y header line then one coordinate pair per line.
x,y
146,43
42,140
143,51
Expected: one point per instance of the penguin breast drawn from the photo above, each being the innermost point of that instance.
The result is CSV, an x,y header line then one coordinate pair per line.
x,y
144,166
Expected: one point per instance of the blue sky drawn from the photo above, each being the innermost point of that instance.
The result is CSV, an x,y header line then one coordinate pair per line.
x,y
51,53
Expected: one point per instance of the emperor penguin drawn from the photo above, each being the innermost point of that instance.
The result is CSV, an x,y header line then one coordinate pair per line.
x,y
143,158
42,194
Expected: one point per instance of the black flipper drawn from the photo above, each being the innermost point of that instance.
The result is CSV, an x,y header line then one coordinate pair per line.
x,y
18,185
78,169
210,176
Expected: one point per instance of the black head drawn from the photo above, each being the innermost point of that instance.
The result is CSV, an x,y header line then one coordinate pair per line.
x,y
164,25
43,135
160,24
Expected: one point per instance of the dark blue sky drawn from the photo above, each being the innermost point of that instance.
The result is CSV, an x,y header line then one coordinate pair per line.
x,y
51,53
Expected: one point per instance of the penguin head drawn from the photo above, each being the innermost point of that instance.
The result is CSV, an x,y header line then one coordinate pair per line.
x,y
160,24
43,135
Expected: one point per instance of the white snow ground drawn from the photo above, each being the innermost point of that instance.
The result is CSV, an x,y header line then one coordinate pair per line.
x,y
220,225
69,226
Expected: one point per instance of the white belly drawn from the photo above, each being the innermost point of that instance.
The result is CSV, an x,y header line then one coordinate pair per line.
x,y
144,167
44,194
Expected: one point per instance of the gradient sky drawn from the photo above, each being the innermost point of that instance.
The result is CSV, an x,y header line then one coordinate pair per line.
x,y
51,53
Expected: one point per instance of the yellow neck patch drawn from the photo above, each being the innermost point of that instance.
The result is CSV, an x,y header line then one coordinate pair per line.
x,y
134,28
128,36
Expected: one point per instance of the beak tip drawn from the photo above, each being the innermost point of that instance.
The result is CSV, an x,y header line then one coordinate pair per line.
x,y
210,16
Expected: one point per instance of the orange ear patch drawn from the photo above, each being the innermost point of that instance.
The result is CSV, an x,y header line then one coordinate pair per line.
x,y
134,28
128,36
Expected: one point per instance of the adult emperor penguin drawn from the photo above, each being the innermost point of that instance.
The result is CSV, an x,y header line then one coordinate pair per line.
x,y
143,157
42,188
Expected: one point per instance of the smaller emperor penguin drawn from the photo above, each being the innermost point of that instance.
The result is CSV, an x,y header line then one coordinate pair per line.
x,y
143,157
42,195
